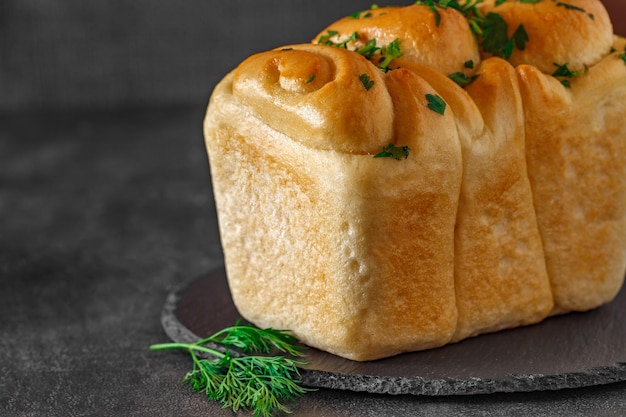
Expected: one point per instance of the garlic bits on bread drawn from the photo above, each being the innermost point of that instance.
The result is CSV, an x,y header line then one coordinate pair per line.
x,y
417,175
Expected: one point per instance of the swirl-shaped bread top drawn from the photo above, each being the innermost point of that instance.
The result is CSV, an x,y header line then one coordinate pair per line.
x,y
573,32
325,97
443,41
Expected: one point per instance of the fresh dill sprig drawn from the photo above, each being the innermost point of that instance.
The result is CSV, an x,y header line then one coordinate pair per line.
x,y
240,381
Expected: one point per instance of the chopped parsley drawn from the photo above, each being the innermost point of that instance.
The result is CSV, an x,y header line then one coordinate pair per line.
x,y
326,39
469,64
431,5
436,103
468,9
520,37
369,49
311,78
393,151
461,79
366,81
492,28
365,14
562,71
495,38
576,8
388,52
623,57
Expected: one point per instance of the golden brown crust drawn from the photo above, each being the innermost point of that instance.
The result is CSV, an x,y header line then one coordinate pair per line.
x,y
421,40
501,278
576,156
574,32
500,274
315,93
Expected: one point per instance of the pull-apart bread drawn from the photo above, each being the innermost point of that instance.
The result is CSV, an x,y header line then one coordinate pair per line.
x,y
419,175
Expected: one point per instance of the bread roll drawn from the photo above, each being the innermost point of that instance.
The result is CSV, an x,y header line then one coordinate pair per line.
x,y
574,32
352,253
445,47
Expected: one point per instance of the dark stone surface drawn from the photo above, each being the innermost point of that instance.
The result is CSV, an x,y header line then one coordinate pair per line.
x,y
102,215
568,351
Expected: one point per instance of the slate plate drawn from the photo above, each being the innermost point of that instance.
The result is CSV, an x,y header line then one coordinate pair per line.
x,y
569,351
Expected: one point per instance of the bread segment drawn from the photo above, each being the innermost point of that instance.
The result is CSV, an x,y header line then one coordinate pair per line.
x,y
576,155
352,253
500,275
574,32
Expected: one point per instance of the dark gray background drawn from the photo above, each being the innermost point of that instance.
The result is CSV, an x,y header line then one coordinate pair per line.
x,y
76,53
106,205
141,52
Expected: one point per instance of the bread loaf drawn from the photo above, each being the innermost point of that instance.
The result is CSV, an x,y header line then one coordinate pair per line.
x,y
373,206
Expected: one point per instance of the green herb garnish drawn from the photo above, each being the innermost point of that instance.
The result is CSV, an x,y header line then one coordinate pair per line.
x,y
393,151
468,9
495,38
239,381
311,78
365,14
433,8
366,81
389,52
520,37
461,79
436,103
326,39
469,64
576,8
623,57
368,49
562,71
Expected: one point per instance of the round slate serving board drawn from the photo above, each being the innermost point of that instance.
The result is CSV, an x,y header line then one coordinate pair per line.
x,y
569,351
